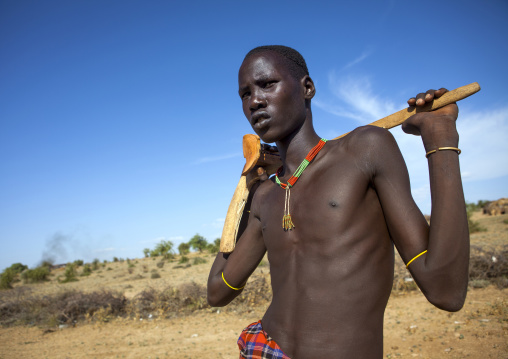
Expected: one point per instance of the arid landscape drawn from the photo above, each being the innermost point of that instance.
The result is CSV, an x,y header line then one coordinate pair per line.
x,y
123,309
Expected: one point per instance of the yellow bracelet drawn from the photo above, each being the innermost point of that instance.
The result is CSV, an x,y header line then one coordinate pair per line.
x,y
408,263
444,149
224,279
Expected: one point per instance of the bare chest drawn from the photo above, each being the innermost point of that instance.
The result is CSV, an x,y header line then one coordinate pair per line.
x,y
324,203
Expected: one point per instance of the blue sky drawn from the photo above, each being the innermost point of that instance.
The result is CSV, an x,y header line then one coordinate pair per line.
x,y
120,122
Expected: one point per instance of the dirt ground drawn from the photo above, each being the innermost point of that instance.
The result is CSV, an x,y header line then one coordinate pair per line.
x,y
413,327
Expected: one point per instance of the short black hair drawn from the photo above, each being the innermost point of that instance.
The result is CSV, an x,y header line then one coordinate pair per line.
x,y
296,64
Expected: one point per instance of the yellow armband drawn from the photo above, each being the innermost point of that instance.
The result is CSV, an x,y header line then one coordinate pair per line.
x,y
408,263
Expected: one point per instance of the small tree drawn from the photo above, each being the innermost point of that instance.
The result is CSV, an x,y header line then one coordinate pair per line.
x,y
146,252
164,248
184,248
214,247
198,243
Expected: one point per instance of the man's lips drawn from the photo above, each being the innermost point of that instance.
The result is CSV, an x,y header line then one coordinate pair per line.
x,y
260,120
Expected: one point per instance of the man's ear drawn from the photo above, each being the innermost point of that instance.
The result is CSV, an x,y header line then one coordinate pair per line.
x,y
308,86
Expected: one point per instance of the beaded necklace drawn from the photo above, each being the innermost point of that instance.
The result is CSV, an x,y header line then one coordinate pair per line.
x,y
287,222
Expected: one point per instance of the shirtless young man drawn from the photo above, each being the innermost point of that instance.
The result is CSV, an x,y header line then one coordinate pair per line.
x,y
332,274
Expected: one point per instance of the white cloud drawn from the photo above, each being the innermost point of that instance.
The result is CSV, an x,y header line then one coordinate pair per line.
x,y
359,59
215,158
357,100
483,140
219,222
482,134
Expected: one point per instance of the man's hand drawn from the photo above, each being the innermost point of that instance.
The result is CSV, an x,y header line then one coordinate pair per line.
x,y
437,128
258,172
268,148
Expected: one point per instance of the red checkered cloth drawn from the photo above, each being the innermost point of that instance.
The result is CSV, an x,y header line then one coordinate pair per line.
x,y
255,343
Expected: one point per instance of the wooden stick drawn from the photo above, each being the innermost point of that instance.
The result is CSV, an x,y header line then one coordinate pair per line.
x,y
449,97
255,156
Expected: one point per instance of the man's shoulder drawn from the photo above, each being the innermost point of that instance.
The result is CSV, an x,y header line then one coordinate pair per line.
x,y
363,139
369,133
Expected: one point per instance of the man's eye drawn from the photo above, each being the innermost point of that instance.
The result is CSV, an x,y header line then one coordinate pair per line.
x,y
245,95
268,84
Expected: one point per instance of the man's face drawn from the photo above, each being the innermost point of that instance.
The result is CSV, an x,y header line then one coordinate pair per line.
x,y
272,99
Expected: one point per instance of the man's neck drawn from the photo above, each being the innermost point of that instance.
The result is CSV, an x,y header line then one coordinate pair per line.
x,y
295,147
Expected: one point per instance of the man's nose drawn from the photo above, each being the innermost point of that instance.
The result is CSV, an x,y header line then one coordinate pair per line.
x,y
257,101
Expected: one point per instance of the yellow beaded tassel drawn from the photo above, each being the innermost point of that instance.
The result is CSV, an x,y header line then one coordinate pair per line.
x,y
287,222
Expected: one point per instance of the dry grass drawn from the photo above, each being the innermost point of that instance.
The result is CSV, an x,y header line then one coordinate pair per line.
x,y
155,288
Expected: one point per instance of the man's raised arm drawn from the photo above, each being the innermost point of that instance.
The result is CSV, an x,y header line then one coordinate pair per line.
x,y
437,257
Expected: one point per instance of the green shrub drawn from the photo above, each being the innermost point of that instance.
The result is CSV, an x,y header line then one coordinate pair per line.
x,y
78,262
183,259
214,247
87,270
199,260
501,282
182,266
474,226
18,268
155,275
115,259
146,252
95,264
69,274
160,264
36,275
48,263
478,283
7,278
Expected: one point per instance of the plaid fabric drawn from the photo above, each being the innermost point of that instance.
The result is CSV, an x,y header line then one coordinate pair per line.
x,y
255,343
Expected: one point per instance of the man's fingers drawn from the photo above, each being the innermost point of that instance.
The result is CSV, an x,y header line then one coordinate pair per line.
x,y
269,148
440,92
420,99
429,95
261,172
424,98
